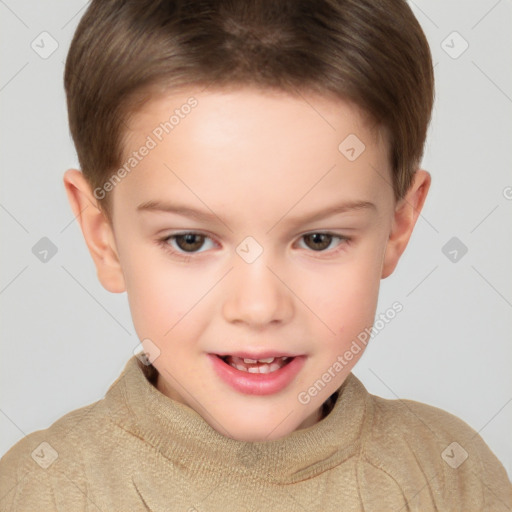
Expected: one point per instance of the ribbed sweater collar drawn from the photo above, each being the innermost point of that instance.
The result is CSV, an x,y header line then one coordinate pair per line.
x,y
181,435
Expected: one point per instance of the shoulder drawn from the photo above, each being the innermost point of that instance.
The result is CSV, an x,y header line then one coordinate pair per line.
x,y
428,449
48,464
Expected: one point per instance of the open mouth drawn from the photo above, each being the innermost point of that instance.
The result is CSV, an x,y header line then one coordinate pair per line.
x,y
263,374
268,365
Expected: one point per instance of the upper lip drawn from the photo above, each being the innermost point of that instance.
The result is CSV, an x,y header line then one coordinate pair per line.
x,y
253,355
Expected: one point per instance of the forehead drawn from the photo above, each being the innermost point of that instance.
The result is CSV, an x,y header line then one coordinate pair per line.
x,y
251,139
251,108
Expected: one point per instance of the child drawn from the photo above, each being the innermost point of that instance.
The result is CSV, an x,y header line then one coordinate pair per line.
x,y
282,142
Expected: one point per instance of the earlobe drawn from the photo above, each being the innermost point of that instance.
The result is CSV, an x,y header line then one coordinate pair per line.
x,y
97,231
406,214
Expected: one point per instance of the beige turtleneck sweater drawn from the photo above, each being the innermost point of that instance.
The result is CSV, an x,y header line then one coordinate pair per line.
x,y
138,450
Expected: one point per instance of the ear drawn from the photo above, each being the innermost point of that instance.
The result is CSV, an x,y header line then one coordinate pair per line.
x,y
406,214
96,229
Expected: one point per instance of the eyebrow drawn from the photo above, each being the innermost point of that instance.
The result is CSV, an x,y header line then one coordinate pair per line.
x,y
186,211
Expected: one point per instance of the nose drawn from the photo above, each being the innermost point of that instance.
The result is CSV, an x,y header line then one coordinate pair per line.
x,y
257,295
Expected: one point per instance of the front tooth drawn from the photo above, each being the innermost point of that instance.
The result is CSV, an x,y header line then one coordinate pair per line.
x,y
268,360
250,361
253,369
265,368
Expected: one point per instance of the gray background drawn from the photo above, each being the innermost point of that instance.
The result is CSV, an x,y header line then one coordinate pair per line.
x,y
65,339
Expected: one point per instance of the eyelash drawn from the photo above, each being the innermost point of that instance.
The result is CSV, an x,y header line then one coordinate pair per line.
x,y
164,242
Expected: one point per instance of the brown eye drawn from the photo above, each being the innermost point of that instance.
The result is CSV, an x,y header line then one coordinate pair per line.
x,y
318,241
189,242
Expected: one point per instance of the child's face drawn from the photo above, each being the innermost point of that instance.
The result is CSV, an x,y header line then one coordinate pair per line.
x,y
255,278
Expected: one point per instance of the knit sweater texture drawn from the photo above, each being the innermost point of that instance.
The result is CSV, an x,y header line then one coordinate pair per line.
x,y
138,450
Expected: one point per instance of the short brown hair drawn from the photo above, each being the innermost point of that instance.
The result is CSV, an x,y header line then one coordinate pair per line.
x,y
371,53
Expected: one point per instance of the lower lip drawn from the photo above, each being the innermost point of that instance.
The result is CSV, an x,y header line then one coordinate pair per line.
x,y
257,383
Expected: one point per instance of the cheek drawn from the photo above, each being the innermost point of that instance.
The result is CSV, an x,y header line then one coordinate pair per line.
x,y
345,299
352,284
161,295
